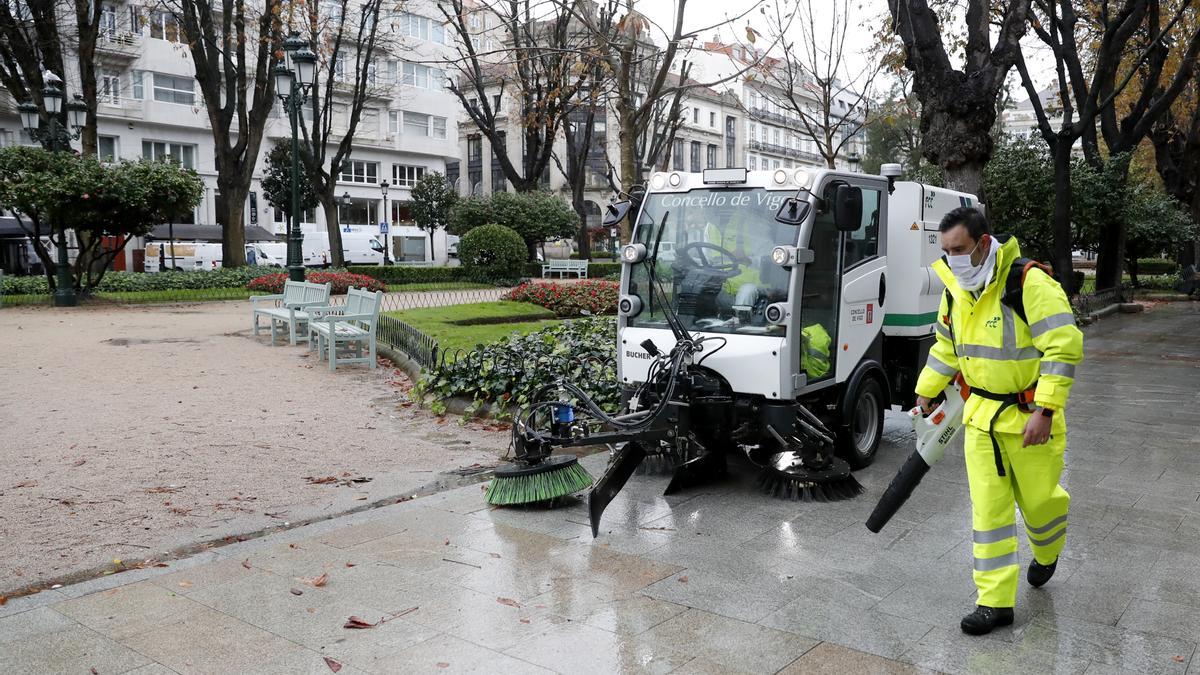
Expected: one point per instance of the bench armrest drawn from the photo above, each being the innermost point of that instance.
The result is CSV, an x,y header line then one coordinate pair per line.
x,y
255,299
321,311
334,318
307,305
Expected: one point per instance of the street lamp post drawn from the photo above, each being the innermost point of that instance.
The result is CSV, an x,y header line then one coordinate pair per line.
x,y
854,161
383,187
56,137
292,84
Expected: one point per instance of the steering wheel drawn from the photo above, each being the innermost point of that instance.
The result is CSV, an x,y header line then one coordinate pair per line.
x,y
700,260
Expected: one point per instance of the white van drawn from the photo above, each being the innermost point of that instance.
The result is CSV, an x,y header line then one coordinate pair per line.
x,y
358,248
270,254
191,255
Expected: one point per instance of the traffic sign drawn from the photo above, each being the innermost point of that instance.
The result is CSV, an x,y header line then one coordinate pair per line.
x,y
383,227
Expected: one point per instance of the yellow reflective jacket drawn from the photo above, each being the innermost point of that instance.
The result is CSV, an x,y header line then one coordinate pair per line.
x,y
814,350
998,352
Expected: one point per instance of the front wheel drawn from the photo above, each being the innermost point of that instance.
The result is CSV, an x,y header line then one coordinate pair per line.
x,y
858,439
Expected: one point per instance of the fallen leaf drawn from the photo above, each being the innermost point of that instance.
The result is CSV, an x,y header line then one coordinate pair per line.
x,y
361,499
94,671
312,610
494,555
163,489
447,543
1177,658
79,462
322,480
524,620
349,564
246,563
3,600
291,546
185,584
357,622
683,580
508,601
297,591
26,483
333,665
316,582
442,664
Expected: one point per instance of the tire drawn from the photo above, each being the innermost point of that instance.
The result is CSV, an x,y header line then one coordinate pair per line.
x,y
858,439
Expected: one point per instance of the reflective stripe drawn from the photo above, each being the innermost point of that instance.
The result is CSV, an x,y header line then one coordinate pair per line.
x,y
945,332
1050,323
817,354
1001,353
938,367
1058,368
993,536
1008,334
1047,527
1048,540
989,564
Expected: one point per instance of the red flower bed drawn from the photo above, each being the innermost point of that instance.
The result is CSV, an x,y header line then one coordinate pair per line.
x,y
570,299
273,283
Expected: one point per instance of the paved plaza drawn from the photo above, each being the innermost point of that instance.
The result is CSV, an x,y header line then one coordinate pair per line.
x,y
719,579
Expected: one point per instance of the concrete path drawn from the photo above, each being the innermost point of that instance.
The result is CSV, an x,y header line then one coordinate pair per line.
x,y
716,580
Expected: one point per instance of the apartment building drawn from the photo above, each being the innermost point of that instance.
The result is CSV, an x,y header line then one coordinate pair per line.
x,y
149,105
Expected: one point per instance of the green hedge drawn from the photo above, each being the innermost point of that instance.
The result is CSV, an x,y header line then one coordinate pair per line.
x,y
1156,266
410,274
117,282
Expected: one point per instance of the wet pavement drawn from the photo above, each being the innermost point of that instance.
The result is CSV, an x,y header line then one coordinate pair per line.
x,y
716,580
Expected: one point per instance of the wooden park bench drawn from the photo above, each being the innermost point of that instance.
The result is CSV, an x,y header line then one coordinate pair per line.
x,y
563,267
289,307
353,323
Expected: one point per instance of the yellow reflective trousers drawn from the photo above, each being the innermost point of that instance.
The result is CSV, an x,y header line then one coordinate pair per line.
x,y
1032,482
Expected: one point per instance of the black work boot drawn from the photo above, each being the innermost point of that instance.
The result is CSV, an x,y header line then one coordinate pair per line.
x,y
984,619
1039,574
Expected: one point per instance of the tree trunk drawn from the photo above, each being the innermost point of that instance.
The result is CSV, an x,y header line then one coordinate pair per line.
x,y
333,227
966,178
1132,261
1062,217
432,257
1112,243
231,215
629,177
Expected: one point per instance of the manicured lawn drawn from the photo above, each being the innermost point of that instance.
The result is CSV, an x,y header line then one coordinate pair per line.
x,y
500,319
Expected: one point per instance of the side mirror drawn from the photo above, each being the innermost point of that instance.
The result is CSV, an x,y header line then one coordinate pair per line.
x,y
793,211
847,208
616,212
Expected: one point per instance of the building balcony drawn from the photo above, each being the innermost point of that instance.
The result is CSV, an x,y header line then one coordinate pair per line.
x,y
783,150
788,121
119,46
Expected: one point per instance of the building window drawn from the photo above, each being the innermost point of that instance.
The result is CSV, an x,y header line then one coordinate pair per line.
x,y
677,155
474,149
777,137
416,124
404,175
753,163
164,26
422,77
108,88
172,89
695,157
355,171
161,150
711,159
393,121
695,116
139,92
730,139
106,148
712,119
358,212
439,127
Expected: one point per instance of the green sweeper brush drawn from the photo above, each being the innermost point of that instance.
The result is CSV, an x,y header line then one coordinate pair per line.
x,y
535,476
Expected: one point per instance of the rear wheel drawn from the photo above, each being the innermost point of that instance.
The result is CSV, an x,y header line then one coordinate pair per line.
x,y
858,439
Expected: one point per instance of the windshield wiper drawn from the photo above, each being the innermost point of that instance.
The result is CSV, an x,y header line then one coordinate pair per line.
x,y
681,334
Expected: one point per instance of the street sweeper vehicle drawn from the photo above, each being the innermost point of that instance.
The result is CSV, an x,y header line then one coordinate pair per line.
x,y
796,306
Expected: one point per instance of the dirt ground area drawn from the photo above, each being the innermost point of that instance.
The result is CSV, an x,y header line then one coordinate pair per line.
x,y
130,432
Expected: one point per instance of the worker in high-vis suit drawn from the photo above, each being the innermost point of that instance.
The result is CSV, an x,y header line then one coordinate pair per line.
x,y
1020,370
814,351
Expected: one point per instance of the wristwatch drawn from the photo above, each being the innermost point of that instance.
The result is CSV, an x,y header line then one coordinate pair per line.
x,y
1047,412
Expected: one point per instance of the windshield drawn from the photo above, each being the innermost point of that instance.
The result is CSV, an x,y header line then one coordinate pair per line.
x,y
714,259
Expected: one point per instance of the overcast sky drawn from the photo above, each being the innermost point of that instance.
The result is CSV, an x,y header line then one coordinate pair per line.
x,y
866,18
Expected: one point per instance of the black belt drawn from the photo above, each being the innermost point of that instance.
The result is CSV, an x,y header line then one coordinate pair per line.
x,y
1020,399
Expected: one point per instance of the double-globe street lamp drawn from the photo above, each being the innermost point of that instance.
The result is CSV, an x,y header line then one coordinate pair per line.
x,y
293,80
56,137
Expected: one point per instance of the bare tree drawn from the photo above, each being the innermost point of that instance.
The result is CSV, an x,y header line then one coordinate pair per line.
x,y
1176,139
542,64
36,36
575,166
814,82
348,40
1129,50
639,75
233,47
958,105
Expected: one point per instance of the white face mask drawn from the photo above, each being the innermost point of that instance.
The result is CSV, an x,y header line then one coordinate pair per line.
x,y
972,277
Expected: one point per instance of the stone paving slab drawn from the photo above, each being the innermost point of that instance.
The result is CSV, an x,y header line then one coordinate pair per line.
x,y
716,580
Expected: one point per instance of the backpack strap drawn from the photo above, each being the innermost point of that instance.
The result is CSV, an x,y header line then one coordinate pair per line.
x,y
1014,284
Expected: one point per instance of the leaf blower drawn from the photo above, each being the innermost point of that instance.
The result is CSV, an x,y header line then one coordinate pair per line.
x,y
935,431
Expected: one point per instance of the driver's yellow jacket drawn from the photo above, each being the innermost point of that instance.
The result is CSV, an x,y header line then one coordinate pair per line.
x,y
814,350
